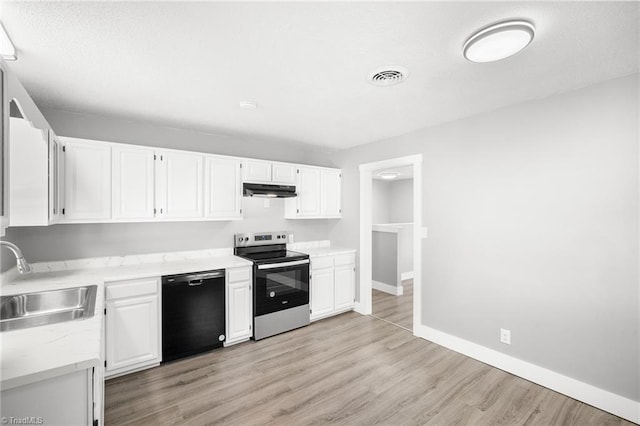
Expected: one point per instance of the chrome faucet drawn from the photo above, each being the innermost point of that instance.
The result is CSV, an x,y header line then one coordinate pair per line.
x,y
22,265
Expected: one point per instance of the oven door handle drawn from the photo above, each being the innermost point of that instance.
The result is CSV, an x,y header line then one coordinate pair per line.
x,y
283,265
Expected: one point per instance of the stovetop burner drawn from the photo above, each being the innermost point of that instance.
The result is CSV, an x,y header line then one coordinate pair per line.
x,y
266,247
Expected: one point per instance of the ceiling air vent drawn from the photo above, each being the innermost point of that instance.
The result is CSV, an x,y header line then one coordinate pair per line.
x,y
388,76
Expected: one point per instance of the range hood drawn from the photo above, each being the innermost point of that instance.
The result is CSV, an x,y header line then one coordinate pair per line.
x,y
265,190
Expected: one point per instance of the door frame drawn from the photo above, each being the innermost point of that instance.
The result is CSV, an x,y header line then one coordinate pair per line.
x,y
364,306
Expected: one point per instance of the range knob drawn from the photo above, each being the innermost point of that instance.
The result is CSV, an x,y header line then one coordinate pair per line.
x,y
284,236
278,237
246,238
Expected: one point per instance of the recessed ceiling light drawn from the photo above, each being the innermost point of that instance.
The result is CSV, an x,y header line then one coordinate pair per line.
x,y
498,41
7,49
248,105
388,175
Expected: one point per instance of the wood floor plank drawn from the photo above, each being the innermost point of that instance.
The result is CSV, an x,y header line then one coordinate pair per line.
x,y
351,370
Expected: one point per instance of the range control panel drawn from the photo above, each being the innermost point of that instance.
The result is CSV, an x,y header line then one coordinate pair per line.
x,y
260,239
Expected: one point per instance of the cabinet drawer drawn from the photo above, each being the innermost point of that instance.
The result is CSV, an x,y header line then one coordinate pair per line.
x,y
345,259
321,262
121,289
234,275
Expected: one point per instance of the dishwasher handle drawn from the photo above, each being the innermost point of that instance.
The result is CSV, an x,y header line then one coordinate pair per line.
x,y
193,279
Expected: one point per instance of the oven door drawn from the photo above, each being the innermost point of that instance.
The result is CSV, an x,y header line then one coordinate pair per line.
x,y
279,286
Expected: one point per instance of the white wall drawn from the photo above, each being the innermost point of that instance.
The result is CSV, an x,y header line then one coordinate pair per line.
x,y
533,219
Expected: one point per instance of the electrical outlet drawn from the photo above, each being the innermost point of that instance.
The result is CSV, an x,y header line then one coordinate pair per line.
x,y
290,238
505,336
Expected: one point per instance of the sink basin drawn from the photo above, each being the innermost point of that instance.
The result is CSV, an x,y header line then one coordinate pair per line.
x,y
47,307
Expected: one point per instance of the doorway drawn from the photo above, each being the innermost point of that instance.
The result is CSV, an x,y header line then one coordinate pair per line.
x,y
365,304
392,246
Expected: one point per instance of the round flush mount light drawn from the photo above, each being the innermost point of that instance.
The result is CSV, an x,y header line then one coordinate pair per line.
x,y
498,41
388,175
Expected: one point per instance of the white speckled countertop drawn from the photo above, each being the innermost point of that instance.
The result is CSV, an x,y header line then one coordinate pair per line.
x,y
319,248
38,353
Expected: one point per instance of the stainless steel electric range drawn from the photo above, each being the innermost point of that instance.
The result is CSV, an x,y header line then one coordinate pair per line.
x,y
280,282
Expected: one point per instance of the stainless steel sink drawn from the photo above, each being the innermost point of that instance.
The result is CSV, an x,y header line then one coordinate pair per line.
x,y
47,307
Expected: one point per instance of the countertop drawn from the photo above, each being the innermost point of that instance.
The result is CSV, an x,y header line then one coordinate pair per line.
x,y
38,353
325,251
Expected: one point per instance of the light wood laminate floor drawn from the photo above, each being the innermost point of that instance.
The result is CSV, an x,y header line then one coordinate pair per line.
x,y
395,309
349,369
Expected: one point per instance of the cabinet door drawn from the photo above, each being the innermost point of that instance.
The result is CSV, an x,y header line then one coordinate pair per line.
x,y
28,175
283,174
223,188
133,182
308,189
239,315
345,285
321,292
257,171
133,331
331,193
87,180
181,189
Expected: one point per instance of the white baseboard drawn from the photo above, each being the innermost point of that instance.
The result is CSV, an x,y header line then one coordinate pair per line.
x,y
589,394
406,276
396,291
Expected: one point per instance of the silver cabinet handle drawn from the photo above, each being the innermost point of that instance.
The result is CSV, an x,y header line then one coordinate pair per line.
x,y
282,265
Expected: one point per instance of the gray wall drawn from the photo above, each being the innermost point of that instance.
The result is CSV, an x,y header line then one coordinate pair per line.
x,y
392,201
380,198
401,201
60,242
532,213
384,255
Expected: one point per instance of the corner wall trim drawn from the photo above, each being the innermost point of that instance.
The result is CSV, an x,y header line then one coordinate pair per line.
x,y
388,288
589,394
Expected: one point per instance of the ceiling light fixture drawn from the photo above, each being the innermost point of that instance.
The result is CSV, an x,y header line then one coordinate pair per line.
x,y
7,49
498,41
388,175
248,105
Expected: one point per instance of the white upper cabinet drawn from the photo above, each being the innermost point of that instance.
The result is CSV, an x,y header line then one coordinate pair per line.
x,y
28,174
269,172
181,185
331,193
283,173
308,189
133,182
223,188
257,171
319,194
87,181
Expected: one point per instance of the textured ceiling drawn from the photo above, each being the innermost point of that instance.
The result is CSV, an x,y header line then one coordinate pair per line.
x,y
306,65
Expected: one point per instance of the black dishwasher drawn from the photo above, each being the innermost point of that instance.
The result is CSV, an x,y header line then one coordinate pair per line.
x,y
193,313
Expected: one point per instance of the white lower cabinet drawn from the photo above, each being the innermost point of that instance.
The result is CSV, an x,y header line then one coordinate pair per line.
x,y
133,325
239,305
332,284
63,400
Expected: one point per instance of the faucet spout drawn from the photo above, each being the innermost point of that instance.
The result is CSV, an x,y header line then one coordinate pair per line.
x,y
21,263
